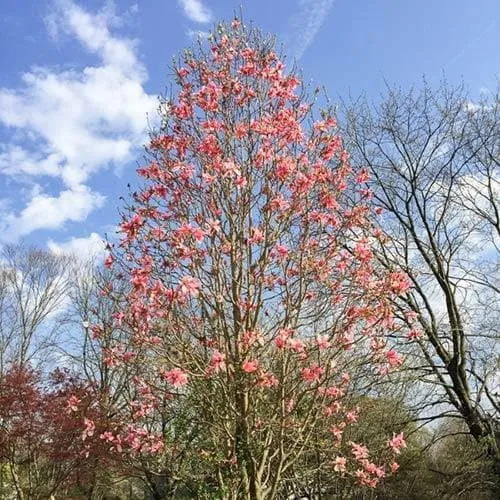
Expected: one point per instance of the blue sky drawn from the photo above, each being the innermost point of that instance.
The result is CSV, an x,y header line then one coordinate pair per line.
x,y
78,78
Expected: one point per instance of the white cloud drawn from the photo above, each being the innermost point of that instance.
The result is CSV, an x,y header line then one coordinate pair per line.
x,y
473,107
85,248
92,30
72,123
85,119
307,22
196,11
16,161
50,212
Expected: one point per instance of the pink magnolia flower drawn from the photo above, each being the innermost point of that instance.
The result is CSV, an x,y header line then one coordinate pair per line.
x,y
363,251
129,355
212,226
340,464
413,334
251,337
332,145
212,125
296,345
365,479
267,379
89,428
217,361
312,374
301,184
334,392
280,252
250,366
352,416
362,176
176,377
209,145
207,97
397,442
279,203
119,317
107,436
198,234
411,316
287,332
337,432
399,282
285,166
130,227
257,236
280,341
322,341
183,110
184,230
189,286
73,403
139,278
359,451
373,469
394,359
208,178
228,169
240,181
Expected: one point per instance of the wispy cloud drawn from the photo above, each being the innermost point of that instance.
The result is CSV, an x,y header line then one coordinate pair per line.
x,y
51,212
85,248
67,124
306,23
196,11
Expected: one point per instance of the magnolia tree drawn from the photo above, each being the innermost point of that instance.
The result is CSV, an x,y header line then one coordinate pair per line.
x,y
253,291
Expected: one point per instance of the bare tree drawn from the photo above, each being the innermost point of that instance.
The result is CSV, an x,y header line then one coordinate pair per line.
x,y
33,287
433,156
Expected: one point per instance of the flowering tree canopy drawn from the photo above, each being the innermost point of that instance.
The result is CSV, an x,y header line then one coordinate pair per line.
x,y
253,292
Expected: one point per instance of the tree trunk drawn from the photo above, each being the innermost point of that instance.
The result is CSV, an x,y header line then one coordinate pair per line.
x,y
15,479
